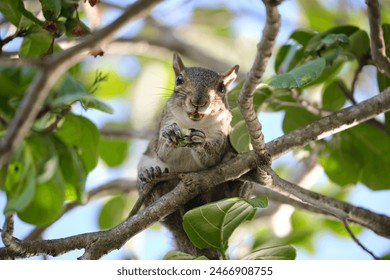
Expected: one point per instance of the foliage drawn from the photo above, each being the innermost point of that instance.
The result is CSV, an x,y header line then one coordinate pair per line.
x,y
211,226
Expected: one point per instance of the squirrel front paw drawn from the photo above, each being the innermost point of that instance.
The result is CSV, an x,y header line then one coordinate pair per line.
x,y
194,136
172,133
147,175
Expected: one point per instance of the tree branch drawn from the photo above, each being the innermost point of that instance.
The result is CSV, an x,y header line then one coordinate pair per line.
x,y
99,243
126,133
329,125
53,67
264,52
378,47
380,224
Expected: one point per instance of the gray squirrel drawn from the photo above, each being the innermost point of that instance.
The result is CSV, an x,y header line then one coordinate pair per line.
x,y
193,135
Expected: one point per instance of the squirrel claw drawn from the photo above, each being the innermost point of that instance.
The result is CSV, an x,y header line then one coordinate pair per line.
x,y
194,136
172,133
149,174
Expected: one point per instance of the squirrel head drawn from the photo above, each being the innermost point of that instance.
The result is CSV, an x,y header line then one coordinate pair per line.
x,y
201,92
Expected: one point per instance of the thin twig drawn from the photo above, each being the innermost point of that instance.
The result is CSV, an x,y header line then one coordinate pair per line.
x,y
346,226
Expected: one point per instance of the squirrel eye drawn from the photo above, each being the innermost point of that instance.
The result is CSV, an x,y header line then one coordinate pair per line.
x,y
221,88
179,80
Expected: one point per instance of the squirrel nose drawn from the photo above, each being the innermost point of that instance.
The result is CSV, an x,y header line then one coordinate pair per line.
x,y
197,103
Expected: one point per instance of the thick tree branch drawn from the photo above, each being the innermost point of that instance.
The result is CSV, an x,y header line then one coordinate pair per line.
x,y
99,243
339,209
264,52
331,124
378,47
317,130
53,67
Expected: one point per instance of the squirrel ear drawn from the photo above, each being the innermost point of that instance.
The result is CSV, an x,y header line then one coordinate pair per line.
x,y
178,64
230,76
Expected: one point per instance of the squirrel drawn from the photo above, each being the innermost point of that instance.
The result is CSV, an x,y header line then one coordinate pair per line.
x,y
193,135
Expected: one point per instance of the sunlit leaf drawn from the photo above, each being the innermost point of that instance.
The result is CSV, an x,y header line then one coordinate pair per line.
x,y
114,151
47,204
20,179
82,134
301,75
177,255
113,212
360,153
283,252
211,225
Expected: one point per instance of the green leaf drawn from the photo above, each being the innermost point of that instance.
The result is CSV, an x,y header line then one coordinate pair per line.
x,y
47,204
260,201
91,102
296,117
340,163
383,81
335,39
358,154
177,255
44,155
211,225
51,9
72,169
333,97
11,10
114,151
20,179
374,146
283,252
300,76
359,44
15,80
317,40
302,36
239,136
113,212
287,58
73,90
281,55
15,12
68,9
36,44
82,134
